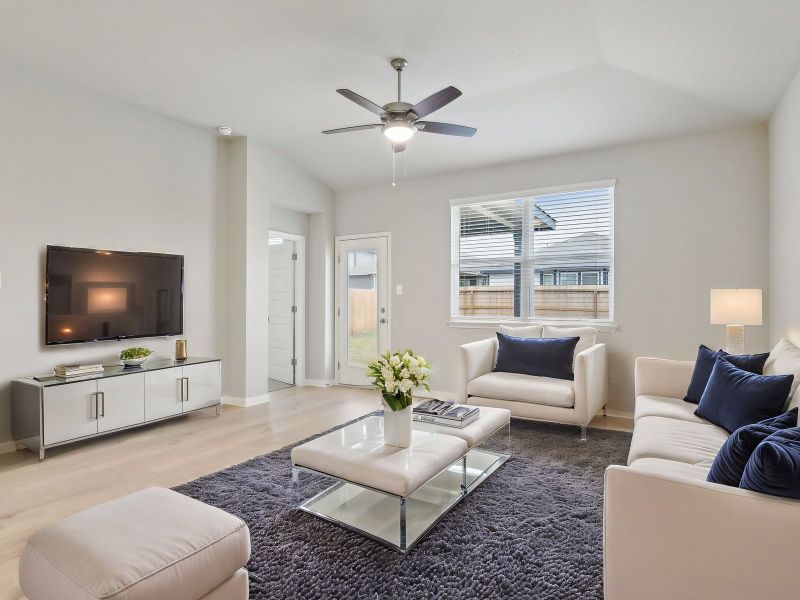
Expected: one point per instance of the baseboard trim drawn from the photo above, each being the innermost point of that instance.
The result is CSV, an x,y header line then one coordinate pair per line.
x,y
246,402
320,382
9,446
619,414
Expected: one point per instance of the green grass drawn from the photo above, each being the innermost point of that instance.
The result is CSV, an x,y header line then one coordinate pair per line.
x,y
362,348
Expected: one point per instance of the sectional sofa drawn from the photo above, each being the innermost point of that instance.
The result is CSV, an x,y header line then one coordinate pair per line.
x,y
668,533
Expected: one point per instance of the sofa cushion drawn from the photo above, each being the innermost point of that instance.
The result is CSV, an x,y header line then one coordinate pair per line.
x,y
784,359
154,543
673,439
774,467
525,331
524,388
734,397
661,406
539,357
704,364
736,451
588,335
670,468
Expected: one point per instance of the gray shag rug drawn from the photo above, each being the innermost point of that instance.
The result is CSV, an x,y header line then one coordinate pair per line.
x,y
533,529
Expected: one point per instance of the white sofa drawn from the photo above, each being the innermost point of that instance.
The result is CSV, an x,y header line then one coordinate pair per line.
x,y
540,398
667,532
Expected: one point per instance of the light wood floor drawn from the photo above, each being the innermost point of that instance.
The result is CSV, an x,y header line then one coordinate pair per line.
x,y
34,494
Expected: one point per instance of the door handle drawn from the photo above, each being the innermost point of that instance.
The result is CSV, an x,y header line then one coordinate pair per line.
x,y
383,319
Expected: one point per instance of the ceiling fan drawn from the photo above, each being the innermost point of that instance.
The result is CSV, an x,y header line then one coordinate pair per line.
x,y
401,120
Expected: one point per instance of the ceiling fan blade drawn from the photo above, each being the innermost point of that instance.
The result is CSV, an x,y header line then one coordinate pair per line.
x,y
363,102
354,128
445,128
398,147
435,101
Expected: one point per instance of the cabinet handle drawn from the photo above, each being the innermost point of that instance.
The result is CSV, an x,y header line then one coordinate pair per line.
x,y
187,388
96,414
180,380
102,397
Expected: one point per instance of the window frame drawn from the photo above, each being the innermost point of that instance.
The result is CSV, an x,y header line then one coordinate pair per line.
x,y
456,320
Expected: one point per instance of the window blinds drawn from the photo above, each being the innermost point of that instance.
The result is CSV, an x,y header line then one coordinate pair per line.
x,y
542,255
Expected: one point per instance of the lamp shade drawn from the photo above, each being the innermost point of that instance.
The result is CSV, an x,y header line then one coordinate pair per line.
x,y
736,307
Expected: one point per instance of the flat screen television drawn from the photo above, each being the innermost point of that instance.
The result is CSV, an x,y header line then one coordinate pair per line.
x,y
95,295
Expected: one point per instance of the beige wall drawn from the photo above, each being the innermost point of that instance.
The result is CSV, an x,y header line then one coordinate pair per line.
x,y
80,170
691,214
784,156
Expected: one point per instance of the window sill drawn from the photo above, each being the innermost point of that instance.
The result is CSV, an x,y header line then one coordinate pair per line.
x,y
601,326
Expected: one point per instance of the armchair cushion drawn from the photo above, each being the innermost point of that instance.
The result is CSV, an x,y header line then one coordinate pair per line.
x,y
524,388
587,335
540,357
662,406
525,331
734,397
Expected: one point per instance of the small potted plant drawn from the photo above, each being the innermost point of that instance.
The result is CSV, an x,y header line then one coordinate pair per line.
x,y
134,357
397,376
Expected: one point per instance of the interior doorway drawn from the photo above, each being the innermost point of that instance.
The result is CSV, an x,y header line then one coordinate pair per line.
x,y
286,317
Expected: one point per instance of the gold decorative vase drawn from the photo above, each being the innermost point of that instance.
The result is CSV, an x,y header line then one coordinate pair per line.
x,y
180,350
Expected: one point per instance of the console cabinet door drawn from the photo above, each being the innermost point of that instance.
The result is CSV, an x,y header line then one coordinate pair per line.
x,y
162,393
203,385
121,401
69,411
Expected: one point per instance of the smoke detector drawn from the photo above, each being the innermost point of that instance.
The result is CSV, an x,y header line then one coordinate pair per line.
x,y
226,131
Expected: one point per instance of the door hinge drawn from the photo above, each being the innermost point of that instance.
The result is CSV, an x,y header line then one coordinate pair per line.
x,y
294,362
339,258
338,366
294,255
294,309
338,312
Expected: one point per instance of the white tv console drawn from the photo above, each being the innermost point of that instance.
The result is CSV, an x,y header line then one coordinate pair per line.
x,y
51,411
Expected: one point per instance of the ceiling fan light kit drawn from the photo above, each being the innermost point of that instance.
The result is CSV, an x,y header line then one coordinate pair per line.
x,y
401,120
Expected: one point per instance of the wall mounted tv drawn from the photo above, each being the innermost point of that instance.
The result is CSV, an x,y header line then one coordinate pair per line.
x,y
96,295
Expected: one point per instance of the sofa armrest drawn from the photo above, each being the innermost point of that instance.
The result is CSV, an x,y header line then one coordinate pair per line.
x,y
475,359
662,377
668,537
591,383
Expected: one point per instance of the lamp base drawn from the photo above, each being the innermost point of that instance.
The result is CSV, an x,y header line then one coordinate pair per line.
x,y
734,339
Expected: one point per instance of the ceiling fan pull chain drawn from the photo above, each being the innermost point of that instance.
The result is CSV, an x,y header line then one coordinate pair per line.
x,y
399,76
394,169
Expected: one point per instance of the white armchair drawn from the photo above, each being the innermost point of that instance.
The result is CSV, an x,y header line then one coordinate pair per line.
x,y
540,398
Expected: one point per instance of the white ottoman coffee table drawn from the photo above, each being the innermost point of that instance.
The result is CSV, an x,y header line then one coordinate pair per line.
x,y
154,544
392,495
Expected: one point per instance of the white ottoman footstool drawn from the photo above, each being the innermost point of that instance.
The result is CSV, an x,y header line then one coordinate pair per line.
x,y
154,544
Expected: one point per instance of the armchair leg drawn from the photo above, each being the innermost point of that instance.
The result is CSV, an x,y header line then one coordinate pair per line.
x,y
583,433
604,410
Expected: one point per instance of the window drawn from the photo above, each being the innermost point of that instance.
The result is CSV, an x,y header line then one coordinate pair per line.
x,y
544,254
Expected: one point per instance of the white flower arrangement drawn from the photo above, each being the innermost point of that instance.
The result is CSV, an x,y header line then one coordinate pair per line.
x,y
398,375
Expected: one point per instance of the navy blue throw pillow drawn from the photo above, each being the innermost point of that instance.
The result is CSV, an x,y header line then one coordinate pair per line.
x,y
736,451
705,363
545,357
734,397
774,467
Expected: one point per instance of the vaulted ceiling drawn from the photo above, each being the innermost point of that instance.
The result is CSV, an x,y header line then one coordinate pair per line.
x,y
539,77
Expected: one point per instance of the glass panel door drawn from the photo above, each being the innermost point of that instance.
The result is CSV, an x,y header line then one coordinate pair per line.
x,y
363,314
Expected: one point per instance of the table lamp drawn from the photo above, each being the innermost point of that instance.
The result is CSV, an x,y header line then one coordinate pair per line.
x,y
735,309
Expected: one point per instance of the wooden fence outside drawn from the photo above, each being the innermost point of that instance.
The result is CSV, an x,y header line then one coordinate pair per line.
x,y
565,301
362,311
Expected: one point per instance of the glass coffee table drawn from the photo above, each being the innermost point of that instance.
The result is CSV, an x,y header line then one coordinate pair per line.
x,y
396,495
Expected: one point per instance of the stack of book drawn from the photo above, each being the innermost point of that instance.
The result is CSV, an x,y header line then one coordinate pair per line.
x,y
78,370
446,413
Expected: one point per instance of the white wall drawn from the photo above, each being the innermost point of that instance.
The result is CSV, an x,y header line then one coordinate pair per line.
x,y
81,170
784,156
691,214
287,220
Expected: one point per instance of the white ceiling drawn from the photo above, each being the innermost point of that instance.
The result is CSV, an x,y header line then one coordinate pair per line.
x,y
539,76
